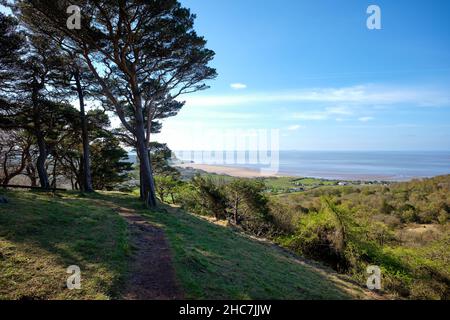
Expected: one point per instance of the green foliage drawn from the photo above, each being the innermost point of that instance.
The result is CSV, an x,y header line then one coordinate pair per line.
x,y
188,198
166,186
11,42
242,202
283,218
379,226
211,197
419,201
107,163
248,205
160,156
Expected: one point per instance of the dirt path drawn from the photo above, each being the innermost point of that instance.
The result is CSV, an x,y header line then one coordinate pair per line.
x,y
151,276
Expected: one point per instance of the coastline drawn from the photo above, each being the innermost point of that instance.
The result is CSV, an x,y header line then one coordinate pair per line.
x,y
237,172
346,166
242,172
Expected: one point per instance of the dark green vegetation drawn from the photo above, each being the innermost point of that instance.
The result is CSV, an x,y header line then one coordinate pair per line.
x,y
347,228
41,235
277,185
402,228
115,57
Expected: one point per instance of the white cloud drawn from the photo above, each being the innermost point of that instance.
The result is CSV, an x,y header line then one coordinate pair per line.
x,y
238,86
294,127
366,119
345,111
360,95
221,115
324,114
310,116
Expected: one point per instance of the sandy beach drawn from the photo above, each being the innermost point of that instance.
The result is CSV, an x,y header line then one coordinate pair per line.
x,y
239,172
230,171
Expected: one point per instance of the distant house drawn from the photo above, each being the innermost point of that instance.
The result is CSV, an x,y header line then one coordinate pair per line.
x,y
296,189
343,183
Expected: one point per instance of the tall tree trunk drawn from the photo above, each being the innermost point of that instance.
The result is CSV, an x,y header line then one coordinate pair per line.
x,y
5,181
147,183
54,172
40,163
87,177
31,170
141,183
42,146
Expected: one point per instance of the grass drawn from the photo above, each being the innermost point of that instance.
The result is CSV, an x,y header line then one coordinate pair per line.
x,y
287,183
41,235
215,262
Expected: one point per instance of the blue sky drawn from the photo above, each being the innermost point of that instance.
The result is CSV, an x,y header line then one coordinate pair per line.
x,y
313,70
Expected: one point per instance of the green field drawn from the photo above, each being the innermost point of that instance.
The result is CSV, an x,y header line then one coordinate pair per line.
x,y
280,185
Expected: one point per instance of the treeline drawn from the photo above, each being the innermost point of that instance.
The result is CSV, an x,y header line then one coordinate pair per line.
x,y
43,136
242,202
130,58
403,228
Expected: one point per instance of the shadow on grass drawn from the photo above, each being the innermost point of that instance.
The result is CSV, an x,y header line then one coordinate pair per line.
x,y
215,262
211,262
65,230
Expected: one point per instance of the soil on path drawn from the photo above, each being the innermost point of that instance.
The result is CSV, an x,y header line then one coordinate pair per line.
x,y
151,276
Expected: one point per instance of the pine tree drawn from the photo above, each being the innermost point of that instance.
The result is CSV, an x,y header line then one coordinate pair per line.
x,y
128,46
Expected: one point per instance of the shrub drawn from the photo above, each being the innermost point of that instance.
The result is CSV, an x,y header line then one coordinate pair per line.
x,y
248,206
284,218
188,198
211,197
166,187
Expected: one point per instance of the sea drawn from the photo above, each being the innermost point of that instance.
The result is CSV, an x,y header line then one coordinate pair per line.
x,y
342,165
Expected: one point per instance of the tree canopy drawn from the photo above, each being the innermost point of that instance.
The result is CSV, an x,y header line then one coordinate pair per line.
x,y
144,55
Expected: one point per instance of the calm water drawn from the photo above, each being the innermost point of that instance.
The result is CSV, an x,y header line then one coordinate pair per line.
x,y
357,165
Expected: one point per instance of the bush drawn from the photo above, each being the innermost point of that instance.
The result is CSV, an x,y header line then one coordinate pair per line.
x,y
211,197
315,238
359,227
283,217
188,198
166,187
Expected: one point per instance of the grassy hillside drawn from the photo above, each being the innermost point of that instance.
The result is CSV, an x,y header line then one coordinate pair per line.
x,y
403,228
41,235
